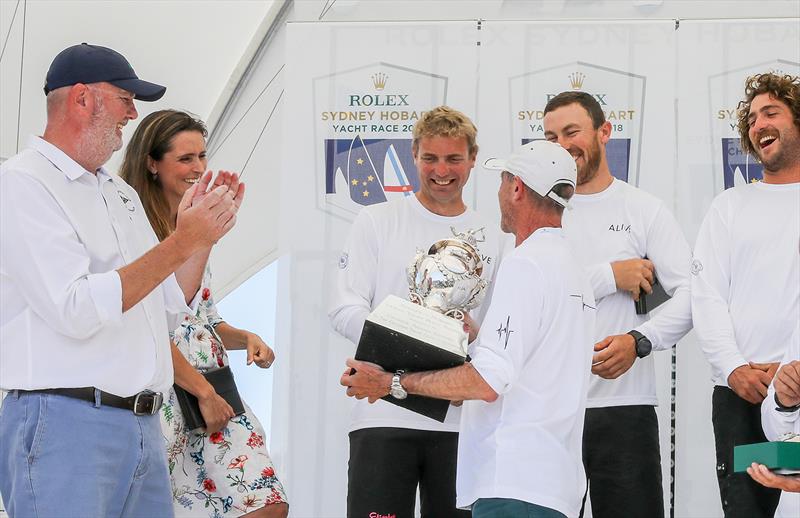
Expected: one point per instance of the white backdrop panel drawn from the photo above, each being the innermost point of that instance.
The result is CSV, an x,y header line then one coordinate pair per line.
x,y
714,58
378,76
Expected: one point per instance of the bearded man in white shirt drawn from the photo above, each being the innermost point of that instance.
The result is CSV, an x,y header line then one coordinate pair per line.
x,y
86,291
625,238
525,387
746,282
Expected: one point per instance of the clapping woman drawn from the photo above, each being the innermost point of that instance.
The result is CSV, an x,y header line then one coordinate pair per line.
x,y
224,469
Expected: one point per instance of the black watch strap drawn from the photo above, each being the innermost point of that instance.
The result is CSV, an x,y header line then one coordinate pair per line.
x,y
786,409
642,344
636,334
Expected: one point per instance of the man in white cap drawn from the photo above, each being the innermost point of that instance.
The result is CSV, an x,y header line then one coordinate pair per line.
x,y
519,450
86,293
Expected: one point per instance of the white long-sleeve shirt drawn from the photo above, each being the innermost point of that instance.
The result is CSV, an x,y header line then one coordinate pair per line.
x,y
619,223
534,350
383,240
63,234
776,424
746,276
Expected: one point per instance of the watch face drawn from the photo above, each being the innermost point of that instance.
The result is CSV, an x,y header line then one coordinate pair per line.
x,y
398,393
643,347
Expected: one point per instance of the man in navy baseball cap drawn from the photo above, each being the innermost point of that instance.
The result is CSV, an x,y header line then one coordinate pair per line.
x,y
93,285
88,64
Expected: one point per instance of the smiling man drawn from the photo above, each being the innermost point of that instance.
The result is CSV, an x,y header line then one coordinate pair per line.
x,y
624,237
88,299
394,450
746,282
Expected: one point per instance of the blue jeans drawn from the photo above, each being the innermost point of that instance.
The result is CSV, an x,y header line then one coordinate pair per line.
x,y
508,507
63,457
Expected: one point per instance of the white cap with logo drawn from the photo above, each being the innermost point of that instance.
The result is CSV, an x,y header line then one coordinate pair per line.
x,y
542,165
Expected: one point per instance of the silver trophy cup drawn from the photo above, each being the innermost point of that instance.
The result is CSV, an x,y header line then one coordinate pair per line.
x,y
447,278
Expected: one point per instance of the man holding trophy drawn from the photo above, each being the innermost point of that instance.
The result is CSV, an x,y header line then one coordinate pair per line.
x,y
519,450
394,450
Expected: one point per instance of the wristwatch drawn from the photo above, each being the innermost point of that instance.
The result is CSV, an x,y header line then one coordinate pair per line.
x,y
396,390
786,409
643,344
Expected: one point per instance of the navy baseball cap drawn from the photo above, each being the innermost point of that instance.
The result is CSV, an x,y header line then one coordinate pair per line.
x,y
88,64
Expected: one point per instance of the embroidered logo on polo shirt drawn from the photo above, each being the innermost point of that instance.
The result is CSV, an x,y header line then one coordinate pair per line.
x,y
127,202
504,330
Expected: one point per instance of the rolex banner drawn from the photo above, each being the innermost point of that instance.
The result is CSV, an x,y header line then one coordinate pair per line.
x,y
364,117
627,67
354,92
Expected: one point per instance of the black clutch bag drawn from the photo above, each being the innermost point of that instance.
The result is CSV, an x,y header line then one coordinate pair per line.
x,y
649,302
224,385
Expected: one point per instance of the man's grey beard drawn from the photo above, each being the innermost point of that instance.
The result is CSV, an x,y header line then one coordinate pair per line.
x,y
97,143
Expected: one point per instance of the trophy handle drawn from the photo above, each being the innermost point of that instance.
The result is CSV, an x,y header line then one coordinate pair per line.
x,y
456,313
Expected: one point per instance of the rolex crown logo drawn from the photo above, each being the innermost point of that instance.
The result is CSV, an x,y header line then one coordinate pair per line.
x,y
379,80
576,80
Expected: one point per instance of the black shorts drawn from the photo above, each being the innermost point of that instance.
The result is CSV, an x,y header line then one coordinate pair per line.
x,y
386,466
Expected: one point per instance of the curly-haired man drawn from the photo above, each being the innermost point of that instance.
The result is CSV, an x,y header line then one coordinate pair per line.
x,y
746,282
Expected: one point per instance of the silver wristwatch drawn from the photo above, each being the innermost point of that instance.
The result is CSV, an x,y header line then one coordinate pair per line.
x,y
396,390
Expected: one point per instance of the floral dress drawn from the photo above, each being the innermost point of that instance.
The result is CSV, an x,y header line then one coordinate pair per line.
x,y
227,473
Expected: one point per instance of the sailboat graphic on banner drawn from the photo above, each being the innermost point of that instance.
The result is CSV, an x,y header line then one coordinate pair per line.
x,y
738,177
394,176
369,171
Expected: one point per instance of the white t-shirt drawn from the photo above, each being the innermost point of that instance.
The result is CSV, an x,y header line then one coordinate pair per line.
x,y
382,242
534,350
623,222
746,276
776,424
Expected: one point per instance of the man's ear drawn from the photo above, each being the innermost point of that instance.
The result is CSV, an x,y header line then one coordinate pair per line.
x,y
80,94
605,132
519,188
80,101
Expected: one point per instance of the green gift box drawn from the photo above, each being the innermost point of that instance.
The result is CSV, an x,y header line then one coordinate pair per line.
x,y
774,455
